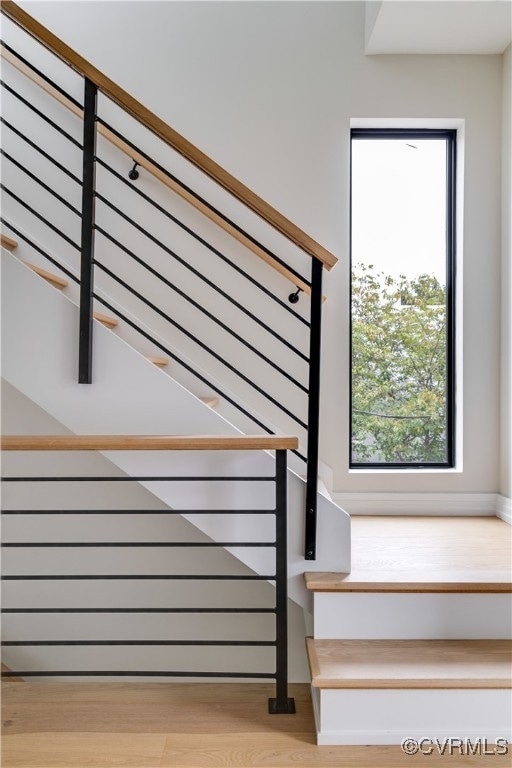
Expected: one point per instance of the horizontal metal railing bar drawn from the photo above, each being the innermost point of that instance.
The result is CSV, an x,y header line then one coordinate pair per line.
x,y
138,610
134,577
72,643
204,202
184,544
136,673
208,314
41,151
196,272
138,512
207,349
41,74
40,182
172,253
135,479
189,368
38,216
203,242
41,114
38,249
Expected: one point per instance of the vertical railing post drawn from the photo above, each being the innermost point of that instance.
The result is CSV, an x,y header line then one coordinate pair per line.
x,y
282,704
87,238
313,409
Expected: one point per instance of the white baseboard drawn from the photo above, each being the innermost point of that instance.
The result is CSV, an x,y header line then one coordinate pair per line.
x,y
461,504
504,508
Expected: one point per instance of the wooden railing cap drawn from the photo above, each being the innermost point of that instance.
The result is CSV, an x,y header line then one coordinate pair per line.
x,y
147,443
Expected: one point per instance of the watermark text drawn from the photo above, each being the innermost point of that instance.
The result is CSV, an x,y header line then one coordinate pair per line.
x,y
455,746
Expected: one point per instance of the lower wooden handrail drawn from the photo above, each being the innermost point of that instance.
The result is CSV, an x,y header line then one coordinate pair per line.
x,y
147,443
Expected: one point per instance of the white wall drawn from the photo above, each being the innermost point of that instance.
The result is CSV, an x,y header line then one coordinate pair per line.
x,y
506,281
268,90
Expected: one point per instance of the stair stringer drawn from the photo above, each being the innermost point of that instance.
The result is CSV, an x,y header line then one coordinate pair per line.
x,y
131,396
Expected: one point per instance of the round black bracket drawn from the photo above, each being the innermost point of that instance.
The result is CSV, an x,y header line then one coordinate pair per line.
x,y
294,297
134,174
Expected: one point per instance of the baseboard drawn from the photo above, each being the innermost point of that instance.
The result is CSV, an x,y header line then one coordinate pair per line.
x,y
504,508
461,504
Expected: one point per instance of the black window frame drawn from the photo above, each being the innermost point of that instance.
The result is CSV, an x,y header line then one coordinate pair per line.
x,y
450,135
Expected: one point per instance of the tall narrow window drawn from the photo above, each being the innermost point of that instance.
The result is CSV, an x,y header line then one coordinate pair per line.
x,y
402,298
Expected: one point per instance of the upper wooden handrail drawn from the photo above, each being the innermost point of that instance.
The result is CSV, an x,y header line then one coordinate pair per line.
x,y
169,135
147,443
154,170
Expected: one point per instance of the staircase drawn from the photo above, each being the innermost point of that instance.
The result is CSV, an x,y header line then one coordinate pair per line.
x,y
411,639
416,641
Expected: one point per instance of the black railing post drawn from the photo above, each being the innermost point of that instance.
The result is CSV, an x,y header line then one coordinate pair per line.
x,y
282,704
87,241
313,409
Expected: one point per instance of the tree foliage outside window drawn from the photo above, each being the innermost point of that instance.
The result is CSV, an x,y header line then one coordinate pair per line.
x,y
398,368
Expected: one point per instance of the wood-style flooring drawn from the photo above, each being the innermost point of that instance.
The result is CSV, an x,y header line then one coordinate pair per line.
x,y
125,725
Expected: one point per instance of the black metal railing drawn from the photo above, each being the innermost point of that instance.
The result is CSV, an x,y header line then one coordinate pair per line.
x,y
281,703
288,380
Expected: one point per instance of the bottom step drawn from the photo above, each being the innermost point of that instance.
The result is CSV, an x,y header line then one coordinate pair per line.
x,y
384,691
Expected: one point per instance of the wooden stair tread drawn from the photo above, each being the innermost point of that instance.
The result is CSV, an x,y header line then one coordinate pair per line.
x,y
106,320
8,243
424,554
490,582
56,280
161,362
410,663
211,402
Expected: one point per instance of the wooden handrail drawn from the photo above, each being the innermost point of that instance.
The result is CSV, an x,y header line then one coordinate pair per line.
x,y
169,135
147,443
154,170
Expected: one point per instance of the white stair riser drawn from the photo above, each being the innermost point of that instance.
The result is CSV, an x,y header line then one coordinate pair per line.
x,y
389,716
372,616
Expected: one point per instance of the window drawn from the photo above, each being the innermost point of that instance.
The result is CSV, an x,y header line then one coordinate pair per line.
x,y
402,394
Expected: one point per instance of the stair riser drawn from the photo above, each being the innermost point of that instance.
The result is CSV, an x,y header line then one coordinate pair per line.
x,y
408,616
372,717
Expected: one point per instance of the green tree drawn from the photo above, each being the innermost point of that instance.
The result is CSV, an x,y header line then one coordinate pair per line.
x,y
398,368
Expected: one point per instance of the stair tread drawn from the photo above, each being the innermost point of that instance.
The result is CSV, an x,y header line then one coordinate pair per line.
x,y
410,663
8,243
424,554
107,320
211,402
161,362
56,280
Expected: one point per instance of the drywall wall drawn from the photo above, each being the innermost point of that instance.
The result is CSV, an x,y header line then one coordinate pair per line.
x,y
268,90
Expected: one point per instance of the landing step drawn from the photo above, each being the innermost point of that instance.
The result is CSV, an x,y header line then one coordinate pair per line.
x,y
8,243
161,362
56,280
424,554
106,320
410,663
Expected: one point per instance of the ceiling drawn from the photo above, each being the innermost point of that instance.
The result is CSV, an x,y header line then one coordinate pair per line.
x,y
438,26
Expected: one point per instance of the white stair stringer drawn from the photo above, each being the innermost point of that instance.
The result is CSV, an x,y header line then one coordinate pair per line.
x,y
131,396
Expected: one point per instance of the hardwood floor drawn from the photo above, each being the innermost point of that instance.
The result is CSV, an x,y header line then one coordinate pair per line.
x,y
101,725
